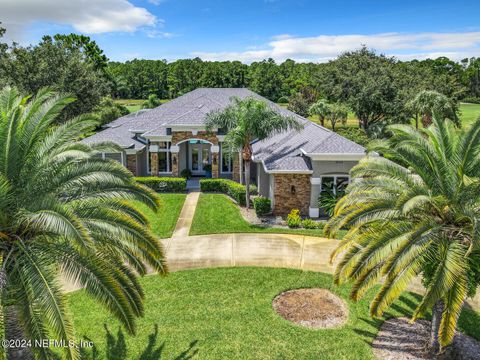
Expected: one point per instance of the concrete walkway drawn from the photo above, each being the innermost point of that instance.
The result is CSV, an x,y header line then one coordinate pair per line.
x,y
251,249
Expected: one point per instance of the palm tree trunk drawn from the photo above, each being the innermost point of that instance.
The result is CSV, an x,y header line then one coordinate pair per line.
x,y
436,318
416,121
247,183
322,120
426,120
15,332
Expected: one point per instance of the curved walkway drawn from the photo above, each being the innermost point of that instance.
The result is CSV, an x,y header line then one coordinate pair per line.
x,y
251,249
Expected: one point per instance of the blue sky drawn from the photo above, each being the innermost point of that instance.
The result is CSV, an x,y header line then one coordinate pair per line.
x,y
250,30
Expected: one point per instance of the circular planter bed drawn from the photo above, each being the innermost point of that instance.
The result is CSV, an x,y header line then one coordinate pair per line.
x,y
313,308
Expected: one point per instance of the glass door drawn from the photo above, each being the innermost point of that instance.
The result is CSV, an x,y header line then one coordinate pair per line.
x,y
199,156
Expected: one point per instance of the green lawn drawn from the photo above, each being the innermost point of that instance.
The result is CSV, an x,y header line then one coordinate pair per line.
x,y
226,313
135,104
469,113
218,214
163,222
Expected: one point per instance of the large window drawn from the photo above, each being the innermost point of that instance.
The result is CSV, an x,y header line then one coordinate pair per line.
x,y
335,183
227,160
164,158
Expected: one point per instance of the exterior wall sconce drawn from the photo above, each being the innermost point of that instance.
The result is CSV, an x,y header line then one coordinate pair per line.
x,y
174,160
214,159
293,190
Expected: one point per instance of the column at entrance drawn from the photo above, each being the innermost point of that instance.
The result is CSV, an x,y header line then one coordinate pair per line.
x,y
215,149
175,149
153,149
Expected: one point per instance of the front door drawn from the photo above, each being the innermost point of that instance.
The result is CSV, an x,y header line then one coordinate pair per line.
x,y
199,156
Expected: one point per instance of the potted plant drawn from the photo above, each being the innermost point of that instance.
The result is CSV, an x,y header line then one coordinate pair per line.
x,y
208,170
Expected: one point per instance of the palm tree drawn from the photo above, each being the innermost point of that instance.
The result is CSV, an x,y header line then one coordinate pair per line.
x,y
64,212
337,113
419,219
427,102
320,108
246,120
152,102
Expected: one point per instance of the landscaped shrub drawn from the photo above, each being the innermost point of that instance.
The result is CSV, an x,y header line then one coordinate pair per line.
x,y
253,189
163,184
282,100
231,188
309,224
262,205
186,173
293,219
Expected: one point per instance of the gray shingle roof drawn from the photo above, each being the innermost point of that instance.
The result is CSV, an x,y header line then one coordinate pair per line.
x,y
281,152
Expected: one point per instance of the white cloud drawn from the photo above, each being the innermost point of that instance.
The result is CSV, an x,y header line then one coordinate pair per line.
x,y
86,16
160,34
325,47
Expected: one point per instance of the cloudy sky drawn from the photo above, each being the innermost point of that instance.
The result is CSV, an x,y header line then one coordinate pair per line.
x,y
250,30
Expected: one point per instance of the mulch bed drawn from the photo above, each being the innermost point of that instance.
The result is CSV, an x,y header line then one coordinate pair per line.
x,y
313,308
400,340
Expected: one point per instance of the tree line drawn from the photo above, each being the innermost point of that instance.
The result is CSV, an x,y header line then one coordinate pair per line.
x,y
376,88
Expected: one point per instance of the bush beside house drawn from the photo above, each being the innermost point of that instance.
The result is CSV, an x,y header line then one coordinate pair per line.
x,y
262,205
233,189
164,184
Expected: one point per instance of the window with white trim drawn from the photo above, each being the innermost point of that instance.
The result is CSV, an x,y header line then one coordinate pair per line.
x,y
334,183
226,159
164,158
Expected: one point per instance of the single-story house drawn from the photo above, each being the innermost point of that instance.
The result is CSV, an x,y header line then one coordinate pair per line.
x,y
290,167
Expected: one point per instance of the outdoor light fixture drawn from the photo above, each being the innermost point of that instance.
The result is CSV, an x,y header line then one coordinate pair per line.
x,y
292,190
174,160
214,159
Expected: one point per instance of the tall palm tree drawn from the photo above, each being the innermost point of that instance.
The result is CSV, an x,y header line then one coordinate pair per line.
x,y
419,219
427,102
64,212
152,102
246,120
320,108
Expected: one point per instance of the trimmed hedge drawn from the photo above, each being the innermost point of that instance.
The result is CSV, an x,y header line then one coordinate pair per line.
x,y
164,184
231,188
262,205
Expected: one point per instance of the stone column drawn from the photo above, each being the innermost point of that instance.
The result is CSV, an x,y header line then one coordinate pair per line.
x,y
153,149
215,160
175,150
236,167
132,163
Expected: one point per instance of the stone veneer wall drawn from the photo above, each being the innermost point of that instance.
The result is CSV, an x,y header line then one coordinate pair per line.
x,y
132,163
285,200
236,167
154,163
179,136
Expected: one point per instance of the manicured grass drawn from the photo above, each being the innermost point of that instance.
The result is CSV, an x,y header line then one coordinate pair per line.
x,y
163,222
469,113
226,313
135,104
218,214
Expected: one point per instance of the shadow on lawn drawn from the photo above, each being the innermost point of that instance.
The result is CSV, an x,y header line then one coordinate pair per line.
x,y
116,348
